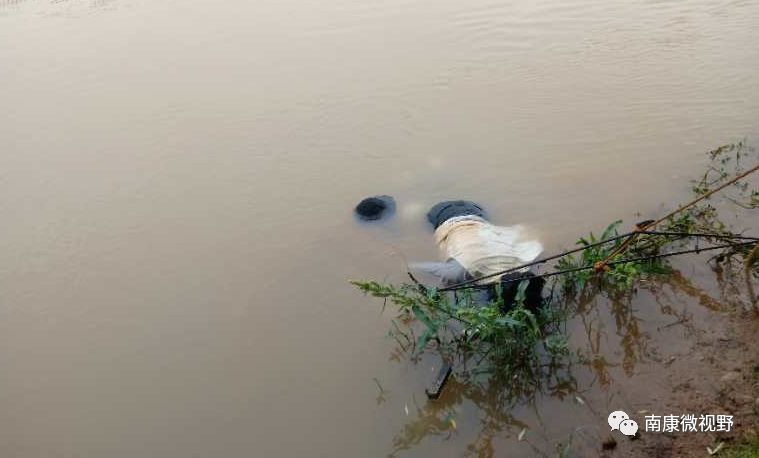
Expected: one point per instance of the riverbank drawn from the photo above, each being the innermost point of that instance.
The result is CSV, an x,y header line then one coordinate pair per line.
x,y
718,375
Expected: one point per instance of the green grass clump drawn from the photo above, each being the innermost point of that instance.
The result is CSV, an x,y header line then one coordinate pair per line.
x,y
460,323
618,277
514,339
749,448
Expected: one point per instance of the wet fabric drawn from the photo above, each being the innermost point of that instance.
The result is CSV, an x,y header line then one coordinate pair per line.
x,y
533,294
449,272
472,247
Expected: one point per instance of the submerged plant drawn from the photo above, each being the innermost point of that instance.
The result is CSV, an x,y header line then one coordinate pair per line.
x,y
460,323
515,340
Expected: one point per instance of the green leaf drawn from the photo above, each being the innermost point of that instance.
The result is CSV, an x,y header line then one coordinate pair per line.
x,y
424,318
611,230
504,320
423,340
531,319
521,292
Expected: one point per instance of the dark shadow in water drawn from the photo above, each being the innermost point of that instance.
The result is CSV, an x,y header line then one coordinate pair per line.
x,y
495,397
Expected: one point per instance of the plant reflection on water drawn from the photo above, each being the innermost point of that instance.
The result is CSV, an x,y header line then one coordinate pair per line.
x,y
496,395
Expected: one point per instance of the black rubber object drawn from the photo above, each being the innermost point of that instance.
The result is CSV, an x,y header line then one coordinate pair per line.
x,y
436,389
374,208
444,211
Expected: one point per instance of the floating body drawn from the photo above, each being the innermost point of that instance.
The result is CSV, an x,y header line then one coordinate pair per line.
x,y
471,247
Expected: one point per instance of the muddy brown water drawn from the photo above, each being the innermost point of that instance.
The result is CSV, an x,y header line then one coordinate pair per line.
x,y
176,185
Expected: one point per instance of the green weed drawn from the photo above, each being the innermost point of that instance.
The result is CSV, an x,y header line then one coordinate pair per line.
x,y
519,340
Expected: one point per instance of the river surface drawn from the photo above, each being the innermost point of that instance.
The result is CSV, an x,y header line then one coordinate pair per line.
x,y
176,187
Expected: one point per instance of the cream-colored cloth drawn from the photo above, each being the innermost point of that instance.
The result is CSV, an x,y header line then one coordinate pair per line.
x,y
480,248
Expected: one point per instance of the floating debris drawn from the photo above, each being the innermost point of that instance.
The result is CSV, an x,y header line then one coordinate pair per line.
x,y
716,449
374,208
436,389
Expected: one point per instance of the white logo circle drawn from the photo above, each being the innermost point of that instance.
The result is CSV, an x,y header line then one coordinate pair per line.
x,y
628,427
616,417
